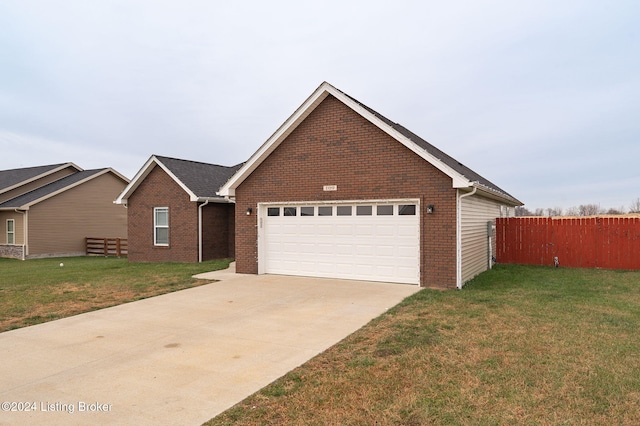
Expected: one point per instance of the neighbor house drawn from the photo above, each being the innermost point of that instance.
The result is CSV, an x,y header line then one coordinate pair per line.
x,y
50,210
174,213
339,191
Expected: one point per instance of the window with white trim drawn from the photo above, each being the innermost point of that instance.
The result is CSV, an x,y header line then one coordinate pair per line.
x,y
11,231
161,226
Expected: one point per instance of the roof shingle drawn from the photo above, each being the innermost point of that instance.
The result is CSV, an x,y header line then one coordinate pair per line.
x,y
24,199
203,179
10,178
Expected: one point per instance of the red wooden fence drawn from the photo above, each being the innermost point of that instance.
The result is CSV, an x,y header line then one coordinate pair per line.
x,y
591,242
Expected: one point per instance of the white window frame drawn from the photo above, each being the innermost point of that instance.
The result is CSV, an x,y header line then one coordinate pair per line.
x,y
11,241
156,210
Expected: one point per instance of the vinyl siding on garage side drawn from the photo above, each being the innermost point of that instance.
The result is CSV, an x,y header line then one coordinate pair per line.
x,y
475,212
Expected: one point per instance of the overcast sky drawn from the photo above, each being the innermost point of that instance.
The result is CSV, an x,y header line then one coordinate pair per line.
x,y
540,97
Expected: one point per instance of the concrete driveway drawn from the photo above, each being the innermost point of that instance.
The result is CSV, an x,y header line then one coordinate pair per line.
x,y
180,358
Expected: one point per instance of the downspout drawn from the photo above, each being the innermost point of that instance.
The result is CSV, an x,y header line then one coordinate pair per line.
x,y
25,231
459,237
200,230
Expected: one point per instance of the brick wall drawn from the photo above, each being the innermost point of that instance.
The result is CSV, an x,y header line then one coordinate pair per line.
x,y
159,190
336,146
218,231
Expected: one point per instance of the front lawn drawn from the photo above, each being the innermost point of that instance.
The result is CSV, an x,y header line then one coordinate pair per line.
x,y
40,290
518,345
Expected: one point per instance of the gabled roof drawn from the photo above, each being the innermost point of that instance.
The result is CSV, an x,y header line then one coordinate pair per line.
x,y
200,180
24,201
10,179
462,177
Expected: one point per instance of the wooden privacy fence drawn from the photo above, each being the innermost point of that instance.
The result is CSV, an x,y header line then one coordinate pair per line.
x,y
106,246
592,242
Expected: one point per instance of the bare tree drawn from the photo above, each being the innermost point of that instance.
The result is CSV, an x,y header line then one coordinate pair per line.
x,y
635,206
523,211
573,211
616,210
589,210
555,211
538,212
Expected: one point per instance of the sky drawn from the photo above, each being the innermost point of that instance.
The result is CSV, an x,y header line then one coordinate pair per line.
x,y
540,97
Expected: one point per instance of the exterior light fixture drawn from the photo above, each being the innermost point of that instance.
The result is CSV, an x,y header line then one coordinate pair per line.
x,y
430,209
249,210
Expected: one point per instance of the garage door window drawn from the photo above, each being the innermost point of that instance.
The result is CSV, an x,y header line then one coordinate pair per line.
x,y
325,211
306,211
384,210
344,210
290,211
364,210
407,209
273,211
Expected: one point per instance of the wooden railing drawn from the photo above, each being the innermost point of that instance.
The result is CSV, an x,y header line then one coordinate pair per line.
x,y
106,246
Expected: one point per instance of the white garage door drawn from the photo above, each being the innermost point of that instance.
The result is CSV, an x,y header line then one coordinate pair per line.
x,y
362,241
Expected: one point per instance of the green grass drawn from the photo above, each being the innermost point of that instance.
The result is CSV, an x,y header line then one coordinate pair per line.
x,y
40,290
518,345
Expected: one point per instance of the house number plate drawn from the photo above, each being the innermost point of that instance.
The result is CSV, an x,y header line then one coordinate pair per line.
x,y
330,188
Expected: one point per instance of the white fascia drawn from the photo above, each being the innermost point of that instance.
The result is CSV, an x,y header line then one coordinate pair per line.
x,y
143,173
325,89
228,189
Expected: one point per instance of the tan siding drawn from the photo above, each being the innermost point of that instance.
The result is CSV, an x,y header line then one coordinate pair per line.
x,y
60,224
476,211
37,184
19,227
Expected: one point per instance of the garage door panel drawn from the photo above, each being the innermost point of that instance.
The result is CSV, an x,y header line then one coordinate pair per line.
x,y
378,248
405,252
324,249
385,251
307,248
364,250
386,230
290,229
406,230
343,249
364,229
324,229
307,230
385,271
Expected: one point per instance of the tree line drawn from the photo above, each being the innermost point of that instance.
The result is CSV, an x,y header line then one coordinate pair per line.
x,y
581,210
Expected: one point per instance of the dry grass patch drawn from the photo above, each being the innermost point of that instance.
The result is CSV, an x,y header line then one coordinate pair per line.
x,y
39,290
519,345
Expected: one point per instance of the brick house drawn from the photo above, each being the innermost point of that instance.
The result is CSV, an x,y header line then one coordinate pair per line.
x,y
174,214
48,211
341,191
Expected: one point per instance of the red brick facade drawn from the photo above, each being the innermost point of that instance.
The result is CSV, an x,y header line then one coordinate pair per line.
x,y
158,189
218,224
336,146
